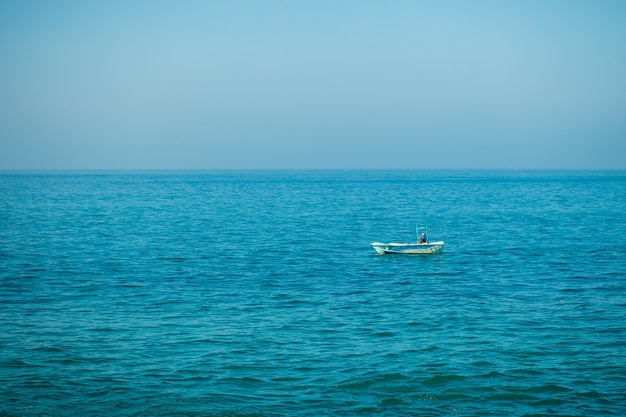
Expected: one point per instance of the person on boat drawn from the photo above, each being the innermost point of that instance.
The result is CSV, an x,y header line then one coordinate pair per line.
x,y
423,238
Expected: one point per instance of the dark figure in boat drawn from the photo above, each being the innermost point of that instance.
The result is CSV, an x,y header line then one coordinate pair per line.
x,y
423,238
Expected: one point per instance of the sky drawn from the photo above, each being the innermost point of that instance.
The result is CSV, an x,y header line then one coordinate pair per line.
x,y
322,84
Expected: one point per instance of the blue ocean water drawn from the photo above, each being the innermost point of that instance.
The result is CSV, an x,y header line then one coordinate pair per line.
x,y
256,293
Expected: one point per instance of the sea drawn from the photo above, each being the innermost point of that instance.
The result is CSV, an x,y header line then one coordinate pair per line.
x,y
258,294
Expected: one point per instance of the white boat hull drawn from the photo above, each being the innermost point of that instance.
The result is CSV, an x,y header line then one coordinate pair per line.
x,y
408,248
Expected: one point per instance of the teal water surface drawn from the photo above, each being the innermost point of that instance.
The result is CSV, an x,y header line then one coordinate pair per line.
x,y
256,293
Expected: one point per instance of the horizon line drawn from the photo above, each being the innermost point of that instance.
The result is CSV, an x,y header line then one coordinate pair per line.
x,y
3,170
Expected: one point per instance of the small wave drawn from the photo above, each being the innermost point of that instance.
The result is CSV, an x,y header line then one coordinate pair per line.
x,y
492,374
549,402
443,379
508,397
455,396
17,363
50,349
383,334
391,401
550,388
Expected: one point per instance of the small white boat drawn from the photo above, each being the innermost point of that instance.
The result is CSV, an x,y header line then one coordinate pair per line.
x,y
408,248
422,245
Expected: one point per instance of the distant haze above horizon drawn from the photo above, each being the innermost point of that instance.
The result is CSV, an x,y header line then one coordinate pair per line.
x,y
313,85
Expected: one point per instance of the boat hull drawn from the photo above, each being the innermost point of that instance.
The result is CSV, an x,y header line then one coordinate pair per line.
x,y
407,248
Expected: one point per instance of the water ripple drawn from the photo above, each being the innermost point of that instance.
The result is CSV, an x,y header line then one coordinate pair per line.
x,y
240,294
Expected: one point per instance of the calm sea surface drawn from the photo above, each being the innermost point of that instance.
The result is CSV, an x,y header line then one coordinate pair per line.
x,y
256,293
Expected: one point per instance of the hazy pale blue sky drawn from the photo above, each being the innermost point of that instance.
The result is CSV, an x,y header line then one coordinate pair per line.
x,y
319,84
